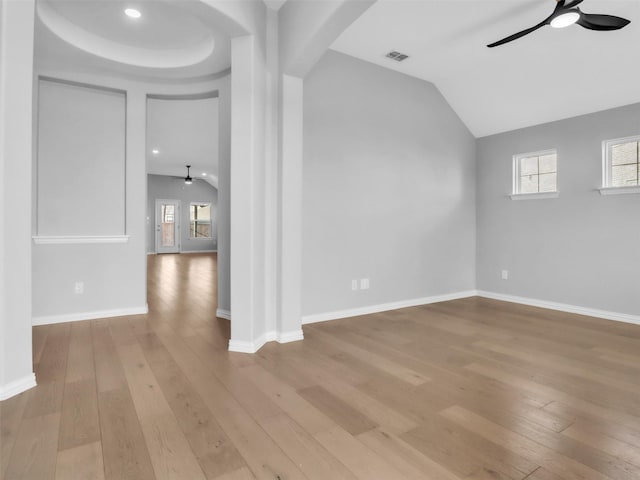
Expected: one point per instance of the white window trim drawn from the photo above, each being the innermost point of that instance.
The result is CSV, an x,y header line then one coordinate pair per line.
x,y
515,194
78,239
607,188
200,239
534,196
619,190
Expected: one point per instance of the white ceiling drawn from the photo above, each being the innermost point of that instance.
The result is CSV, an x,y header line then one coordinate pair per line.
x,y
173,40
548,75
184,132
274,4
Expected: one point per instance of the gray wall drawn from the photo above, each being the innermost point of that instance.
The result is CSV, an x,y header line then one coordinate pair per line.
x,y
581,248
388,188
114,275
81,160
174,188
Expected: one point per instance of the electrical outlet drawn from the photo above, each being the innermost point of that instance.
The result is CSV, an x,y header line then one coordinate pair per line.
x,y
364,284
79,288
505,274
354,284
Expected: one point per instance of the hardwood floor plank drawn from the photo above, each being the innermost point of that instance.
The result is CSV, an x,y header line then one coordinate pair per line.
x,y
81,463
383,364
39,338
542,474
242,474
11,414
265,459
369,406
523,381
45,399
582,452
80,360
562,364
79,422
35,451
342,413
411,462
306,452
169,450
109,372
565,467
604,442
617,430
466,452
53,361
289,400
363,462
213,449
123,445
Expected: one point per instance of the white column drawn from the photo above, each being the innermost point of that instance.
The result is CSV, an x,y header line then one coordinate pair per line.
x,y
16,90
248,327
136,194
289,320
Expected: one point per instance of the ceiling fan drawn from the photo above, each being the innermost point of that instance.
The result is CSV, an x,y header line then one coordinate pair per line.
x,y
566,14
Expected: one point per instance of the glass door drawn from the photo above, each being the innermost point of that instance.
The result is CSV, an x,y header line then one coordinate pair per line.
x,y
167,226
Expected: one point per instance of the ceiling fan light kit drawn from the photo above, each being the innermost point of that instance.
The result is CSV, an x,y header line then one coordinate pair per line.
x,y
565,19
188,180
566,14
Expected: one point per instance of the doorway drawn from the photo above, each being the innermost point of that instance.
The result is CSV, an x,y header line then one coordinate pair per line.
x,y
167,226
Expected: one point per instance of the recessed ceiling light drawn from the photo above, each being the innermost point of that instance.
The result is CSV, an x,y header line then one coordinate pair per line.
x,y
132,12
155,151
204,174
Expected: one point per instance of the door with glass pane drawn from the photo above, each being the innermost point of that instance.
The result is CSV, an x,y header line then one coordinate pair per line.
x,y
167,226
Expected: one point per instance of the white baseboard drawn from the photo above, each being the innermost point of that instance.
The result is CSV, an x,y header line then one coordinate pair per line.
x,y
221,313
257,344
17,386
383,307
250,347
75,317
286,337
198,251
563,307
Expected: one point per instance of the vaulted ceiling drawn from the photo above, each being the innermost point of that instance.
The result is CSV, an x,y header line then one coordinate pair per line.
x,y
545,76
548,75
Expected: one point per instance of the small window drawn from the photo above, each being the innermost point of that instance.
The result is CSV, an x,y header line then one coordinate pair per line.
x,y
535,172
620,166
200,220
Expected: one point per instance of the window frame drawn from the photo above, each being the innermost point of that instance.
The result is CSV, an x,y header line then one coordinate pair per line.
x,y
515,187
209,222
607,167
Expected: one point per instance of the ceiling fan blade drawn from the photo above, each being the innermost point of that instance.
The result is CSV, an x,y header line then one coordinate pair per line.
x,y
515,36
559,5
575,3
601,22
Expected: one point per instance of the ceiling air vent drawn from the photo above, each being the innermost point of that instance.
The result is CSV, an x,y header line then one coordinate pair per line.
x,y
397,56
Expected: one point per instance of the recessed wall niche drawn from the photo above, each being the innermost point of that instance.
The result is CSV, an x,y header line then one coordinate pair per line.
x,y
81,156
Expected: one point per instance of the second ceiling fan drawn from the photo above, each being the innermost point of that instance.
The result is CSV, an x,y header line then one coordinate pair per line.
x,y
566,14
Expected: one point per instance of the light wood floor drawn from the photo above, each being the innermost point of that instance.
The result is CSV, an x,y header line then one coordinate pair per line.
x,y
469,389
